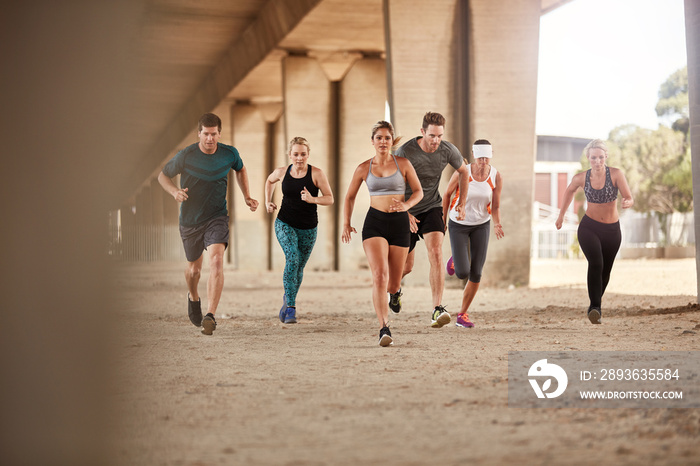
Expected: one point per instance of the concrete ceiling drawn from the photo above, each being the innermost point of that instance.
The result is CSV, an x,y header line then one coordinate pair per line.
x,y
193,55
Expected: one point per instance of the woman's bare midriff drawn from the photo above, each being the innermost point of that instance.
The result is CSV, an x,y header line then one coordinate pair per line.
x,y
603,213
385,201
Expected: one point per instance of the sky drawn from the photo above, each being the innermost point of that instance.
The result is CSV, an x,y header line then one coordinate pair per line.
x,y
601,64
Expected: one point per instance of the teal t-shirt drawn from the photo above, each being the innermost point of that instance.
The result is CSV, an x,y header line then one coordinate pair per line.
x,y
206,178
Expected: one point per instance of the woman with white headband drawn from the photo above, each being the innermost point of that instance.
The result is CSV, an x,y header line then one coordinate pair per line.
x,y
469,238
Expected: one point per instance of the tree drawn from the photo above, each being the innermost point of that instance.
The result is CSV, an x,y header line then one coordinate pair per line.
x,y
673,100
657,167
657,162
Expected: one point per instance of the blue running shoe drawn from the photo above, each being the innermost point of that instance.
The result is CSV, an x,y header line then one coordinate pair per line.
x,y
290,316
283,309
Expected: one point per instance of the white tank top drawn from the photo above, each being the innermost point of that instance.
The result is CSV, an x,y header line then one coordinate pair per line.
x,y
478,203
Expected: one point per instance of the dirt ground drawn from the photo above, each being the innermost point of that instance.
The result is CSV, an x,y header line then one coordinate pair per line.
x,y
323,392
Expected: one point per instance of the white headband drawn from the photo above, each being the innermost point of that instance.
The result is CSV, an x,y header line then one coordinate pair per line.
x,y
482,150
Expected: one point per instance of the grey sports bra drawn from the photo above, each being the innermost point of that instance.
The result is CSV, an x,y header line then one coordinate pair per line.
x,y
607,193
382,185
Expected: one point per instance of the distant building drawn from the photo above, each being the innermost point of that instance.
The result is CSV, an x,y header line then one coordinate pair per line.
x,y
558,160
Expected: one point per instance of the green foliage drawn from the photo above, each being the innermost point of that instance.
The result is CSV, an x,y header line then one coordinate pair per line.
x,y
673,96
657,163
657,167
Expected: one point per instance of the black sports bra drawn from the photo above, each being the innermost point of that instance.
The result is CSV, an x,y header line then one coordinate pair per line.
x,y
600,196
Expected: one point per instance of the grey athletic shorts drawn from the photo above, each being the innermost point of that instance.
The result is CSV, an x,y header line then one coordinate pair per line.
x,y
198,238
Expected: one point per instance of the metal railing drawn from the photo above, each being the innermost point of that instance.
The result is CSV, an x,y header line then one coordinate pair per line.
x,y
548,242
146,243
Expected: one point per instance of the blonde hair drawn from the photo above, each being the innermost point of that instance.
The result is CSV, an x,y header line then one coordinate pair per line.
x,y
596,144
385,124
298,140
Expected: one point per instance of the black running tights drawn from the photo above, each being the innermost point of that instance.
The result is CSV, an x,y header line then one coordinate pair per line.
x,y
599,243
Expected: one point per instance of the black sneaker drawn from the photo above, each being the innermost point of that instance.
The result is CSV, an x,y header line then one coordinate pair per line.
x,y
594,315
395,301
208,324
440,317
385,337
194,310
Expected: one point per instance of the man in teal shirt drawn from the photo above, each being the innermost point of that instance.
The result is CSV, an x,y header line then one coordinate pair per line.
x,y
203,168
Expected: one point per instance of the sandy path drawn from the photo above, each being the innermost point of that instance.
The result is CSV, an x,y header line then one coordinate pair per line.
x,y
323,392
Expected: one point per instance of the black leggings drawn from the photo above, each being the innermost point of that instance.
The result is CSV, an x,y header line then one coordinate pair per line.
x,y
599,243
469,245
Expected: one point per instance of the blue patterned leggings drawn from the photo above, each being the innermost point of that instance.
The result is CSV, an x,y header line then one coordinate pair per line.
x,y
297,246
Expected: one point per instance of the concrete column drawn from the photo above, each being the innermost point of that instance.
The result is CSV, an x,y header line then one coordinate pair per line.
x,y
249,137
499,103
692,34
420,61
503,95
280,159
144,206
271,113
362,103
171,208
127,220
157,203
307,99
422,69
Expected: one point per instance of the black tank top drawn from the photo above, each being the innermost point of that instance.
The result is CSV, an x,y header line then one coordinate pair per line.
x,y
295,212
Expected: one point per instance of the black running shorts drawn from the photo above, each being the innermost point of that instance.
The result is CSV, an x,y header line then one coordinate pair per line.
x,y
428,222
198,238
392,226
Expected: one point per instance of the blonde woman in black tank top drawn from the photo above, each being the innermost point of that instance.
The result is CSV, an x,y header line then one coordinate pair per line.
x,y
303,188
599,230
386,232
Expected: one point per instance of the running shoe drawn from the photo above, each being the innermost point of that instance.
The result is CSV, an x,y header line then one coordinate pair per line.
x,y
594,315
395,301
463,321
208,324
450,267
385,337
283,309
440,317
290,315
194,311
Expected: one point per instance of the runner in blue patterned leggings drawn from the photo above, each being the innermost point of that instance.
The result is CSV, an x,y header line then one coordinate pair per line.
x,y
297,245
297,221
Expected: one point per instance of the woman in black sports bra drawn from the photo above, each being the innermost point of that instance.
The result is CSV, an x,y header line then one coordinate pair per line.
x,y
599,230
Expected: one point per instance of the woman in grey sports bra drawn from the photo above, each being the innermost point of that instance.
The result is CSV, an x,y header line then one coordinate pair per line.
x,y
386,230
394,184
599,232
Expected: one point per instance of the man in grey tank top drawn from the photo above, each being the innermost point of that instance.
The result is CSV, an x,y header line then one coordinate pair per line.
x,y
429,155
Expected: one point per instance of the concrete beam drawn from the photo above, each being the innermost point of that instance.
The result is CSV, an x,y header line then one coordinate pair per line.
x,y
362,103
308,110
276,20
420,66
